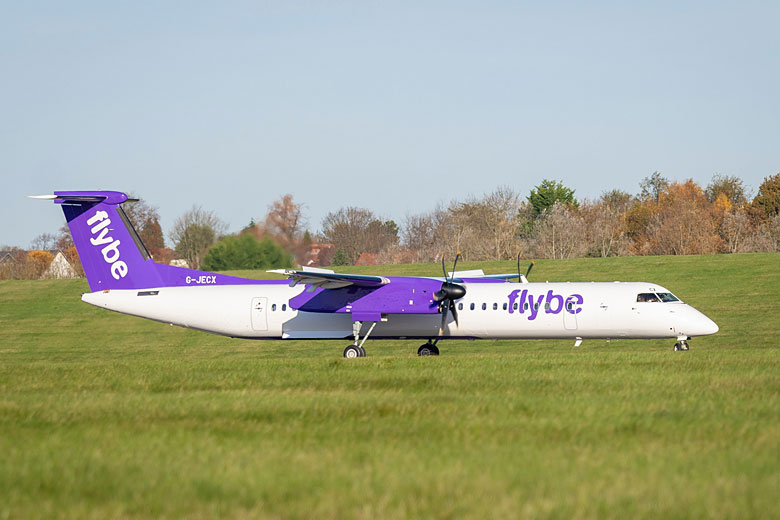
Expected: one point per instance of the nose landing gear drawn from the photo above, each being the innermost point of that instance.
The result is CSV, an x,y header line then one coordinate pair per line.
x,y
681,345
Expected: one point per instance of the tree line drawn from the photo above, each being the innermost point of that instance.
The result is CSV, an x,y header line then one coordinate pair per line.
x,y
663,218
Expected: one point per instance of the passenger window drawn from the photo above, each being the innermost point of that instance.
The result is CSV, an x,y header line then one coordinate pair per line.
x,y
273,307
514,306
505,306
460,306
495,306
525,306
536,306
472,306
484,306
547,306
569,305
284,307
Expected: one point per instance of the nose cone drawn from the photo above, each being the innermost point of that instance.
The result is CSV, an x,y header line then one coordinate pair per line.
x,y
700,325
708,326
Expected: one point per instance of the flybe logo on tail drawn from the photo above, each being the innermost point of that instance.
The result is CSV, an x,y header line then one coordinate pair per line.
x,y
110,250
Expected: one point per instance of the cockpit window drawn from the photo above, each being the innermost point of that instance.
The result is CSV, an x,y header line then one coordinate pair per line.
x,y
667,297
647,297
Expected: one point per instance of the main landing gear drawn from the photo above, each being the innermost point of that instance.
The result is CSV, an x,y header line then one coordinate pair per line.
x,y
356,350
428,349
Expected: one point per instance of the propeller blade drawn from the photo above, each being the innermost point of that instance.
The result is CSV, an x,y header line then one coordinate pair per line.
x,y
443,319
443,267
455,314
518,264
454,264
529,269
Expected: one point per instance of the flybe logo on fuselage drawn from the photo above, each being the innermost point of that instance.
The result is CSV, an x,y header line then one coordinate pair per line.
x,y
521,300
110,250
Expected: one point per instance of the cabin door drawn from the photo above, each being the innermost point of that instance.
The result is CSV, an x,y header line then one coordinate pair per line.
x,y
260,313
569,320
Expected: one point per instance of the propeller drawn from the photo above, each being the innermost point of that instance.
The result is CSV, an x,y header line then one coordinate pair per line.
x,y
530,266
448,293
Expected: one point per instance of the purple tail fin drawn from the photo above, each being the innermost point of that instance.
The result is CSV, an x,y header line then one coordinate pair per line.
x,y
112,253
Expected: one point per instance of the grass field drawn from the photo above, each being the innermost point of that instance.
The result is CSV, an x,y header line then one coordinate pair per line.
x,y
104,415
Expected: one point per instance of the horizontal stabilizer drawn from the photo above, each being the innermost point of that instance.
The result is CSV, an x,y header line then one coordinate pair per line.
x,y
80,197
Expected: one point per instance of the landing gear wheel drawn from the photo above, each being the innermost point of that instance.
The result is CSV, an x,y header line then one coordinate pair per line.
x,y
428,349
353,351
677,347
681,346
684,345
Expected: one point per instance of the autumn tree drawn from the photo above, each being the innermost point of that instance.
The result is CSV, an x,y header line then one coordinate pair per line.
x,y
652,186
731,187
194,232
766,203
38,262
684,223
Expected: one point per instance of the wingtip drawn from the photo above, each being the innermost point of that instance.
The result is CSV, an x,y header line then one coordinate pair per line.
x,y
42,197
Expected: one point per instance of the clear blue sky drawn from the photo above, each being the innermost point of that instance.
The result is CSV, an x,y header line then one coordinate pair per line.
x,y
393,106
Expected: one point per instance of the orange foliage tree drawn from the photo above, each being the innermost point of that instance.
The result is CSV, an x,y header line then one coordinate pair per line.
x,y
684,222
38,261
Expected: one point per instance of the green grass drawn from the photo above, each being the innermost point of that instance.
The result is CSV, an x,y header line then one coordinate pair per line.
x,y
105,415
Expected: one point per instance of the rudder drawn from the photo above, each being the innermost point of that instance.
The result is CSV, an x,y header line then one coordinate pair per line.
x,y
111,252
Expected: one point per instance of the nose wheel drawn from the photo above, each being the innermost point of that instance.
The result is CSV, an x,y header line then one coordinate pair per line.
x,y
681,345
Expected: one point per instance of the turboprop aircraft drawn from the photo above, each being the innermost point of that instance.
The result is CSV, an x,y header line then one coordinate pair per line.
x,y
321,304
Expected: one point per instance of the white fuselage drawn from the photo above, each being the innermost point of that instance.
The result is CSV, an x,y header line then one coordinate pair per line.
x,y
607,310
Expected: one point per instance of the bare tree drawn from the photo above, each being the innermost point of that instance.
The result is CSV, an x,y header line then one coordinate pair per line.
x,y
736,229
605,223
501,219
559,233
428,235
145,218
194,232
44,242
285,222
358,230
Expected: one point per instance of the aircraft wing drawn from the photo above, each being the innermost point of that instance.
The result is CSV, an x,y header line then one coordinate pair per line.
x,y
328,280
507,276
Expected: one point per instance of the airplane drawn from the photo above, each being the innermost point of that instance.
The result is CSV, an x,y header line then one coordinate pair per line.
x,y
321,304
